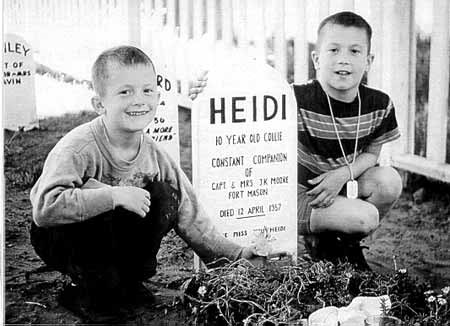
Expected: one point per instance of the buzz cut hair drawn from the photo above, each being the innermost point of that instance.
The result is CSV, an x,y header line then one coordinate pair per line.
x,y
347,19
125,55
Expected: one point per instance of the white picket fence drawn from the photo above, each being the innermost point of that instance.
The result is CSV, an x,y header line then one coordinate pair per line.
x,y
183,35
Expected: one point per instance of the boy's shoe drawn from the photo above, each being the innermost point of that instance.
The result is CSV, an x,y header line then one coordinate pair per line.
x,y
331,247
72,298
76,299
137,293
324,246
354,255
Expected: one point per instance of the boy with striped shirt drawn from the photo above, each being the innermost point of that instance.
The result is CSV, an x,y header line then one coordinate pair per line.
x,y
342,125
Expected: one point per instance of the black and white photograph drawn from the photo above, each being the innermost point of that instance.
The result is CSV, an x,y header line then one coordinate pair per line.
x,y
225,162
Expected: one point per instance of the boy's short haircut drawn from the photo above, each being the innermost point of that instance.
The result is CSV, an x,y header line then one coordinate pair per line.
x,y
122,55
347,19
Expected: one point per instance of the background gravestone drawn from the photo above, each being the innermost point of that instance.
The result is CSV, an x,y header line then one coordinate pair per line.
x,y
245,154
19,110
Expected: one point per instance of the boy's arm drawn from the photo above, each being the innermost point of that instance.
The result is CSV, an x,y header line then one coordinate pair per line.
x,y
329,184
58,198
367,159
193,224
62,196
197,229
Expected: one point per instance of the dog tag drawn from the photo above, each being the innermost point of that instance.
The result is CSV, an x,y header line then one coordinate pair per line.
x,y
352,189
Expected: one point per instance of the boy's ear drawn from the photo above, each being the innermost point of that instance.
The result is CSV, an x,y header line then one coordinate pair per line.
x,y
370,58
315,59
97,105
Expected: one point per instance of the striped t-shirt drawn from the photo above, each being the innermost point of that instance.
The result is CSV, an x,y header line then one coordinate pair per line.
x,y
318,147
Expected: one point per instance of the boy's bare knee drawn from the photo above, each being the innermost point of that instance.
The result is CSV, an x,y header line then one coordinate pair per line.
x,y
391,184
356,217
388,184
369,220
366,220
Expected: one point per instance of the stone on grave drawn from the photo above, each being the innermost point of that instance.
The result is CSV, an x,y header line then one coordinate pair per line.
x,y
245,154
19,110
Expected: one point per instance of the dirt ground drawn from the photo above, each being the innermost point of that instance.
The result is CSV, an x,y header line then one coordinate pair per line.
x,y
416,233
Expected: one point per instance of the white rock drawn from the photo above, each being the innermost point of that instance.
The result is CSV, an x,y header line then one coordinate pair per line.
x,y
351,317
371,305
327,316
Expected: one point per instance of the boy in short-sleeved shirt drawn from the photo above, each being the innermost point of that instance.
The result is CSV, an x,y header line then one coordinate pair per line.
x,y
342,125
108,193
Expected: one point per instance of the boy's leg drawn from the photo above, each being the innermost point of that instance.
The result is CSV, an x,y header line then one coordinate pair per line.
x,y
84,251
333,233
138,249
113,251
350,220
318,228
380,186
349,216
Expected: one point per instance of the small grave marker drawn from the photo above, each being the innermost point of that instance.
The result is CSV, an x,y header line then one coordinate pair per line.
x,y
164,128
19,109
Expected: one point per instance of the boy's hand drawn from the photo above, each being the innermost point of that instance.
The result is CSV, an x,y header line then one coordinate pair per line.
x,y
328,186
133,199
196,87
250,254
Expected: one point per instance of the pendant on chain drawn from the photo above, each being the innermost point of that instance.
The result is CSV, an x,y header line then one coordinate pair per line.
x,y
352,189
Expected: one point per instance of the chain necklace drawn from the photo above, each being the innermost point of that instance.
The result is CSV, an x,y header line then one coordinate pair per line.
x,y
352,185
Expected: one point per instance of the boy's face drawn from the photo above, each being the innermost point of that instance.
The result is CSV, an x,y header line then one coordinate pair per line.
x,y
341,60
130,97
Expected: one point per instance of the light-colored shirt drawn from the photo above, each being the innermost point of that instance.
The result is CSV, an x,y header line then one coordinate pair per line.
x,y
77,176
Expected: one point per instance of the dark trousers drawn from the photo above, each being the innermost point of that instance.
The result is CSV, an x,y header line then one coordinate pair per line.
x,y
112,250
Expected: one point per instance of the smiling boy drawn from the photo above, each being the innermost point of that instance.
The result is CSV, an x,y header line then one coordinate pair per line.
x,y
342,125
108,194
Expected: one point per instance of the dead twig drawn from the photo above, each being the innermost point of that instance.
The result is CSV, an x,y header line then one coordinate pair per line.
x,y
36,304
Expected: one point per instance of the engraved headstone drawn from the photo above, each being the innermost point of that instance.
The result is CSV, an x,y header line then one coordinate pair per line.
x,y
245,155
19,110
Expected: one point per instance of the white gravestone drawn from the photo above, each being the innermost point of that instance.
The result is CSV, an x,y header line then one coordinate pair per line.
x,y
245,155
19,110
164,128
